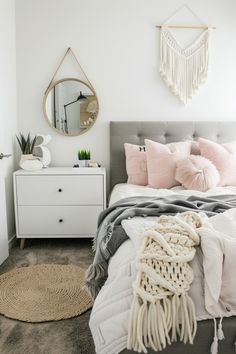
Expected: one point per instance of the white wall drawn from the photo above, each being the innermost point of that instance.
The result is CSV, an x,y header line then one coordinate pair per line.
x,y
117,45
8,101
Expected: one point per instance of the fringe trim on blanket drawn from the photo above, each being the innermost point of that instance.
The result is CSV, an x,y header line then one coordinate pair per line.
x,y
95,277
154,325
108,232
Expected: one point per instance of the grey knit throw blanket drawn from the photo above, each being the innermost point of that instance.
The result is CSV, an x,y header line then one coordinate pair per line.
x,y
111,235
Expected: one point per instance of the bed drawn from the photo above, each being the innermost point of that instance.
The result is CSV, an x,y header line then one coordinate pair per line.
x,y
121,273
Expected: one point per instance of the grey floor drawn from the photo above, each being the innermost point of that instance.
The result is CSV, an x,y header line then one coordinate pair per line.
x,y
71,336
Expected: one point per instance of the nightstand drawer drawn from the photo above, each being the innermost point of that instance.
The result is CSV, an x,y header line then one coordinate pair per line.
x,y
60,190
58,220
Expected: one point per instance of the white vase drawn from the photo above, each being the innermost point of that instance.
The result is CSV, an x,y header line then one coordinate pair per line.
x,y
25,157
30,163
83,163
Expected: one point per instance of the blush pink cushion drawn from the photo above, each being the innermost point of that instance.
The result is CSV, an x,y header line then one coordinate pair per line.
x,y
136,164
162,160
195,150
223,156
198,173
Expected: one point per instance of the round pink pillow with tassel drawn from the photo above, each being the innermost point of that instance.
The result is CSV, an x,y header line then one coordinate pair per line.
x,y
197,173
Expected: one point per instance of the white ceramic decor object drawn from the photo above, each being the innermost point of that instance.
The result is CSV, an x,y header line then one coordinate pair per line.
x,y
25,157
83,163
41,149
29,163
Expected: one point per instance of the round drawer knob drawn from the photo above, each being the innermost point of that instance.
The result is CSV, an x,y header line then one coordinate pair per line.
x,y
60,220
59,190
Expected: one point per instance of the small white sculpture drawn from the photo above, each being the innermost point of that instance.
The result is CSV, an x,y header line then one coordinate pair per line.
x,y
41,150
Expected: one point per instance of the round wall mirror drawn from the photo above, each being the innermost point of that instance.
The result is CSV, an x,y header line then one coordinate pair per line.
x,y
70,106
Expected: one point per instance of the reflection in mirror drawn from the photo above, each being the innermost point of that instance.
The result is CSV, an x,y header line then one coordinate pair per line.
x,y
71,106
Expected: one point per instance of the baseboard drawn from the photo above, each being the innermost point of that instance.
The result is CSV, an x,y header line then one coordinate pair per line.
x,y
12,241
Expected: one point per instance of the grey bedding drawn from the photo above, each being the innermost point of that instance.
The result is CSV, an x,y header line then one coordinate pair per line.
x,y
111,235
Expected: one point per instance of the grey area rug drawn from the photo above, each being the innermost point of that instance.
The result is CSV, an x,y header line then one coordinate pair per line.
x,y
71,336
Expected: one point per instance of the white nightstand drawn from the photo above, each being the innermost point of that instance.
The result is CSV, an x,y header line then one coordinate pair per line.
x,y
58,202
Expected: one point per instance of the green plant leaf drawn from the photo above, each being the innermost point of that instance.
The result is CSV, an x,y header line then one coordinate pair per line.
x,y
20,143
33,144
84,154
26,144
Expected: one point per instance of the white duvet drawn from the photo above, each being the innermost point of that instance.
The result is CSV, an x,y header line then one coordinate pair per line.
x,y
110,314
124,190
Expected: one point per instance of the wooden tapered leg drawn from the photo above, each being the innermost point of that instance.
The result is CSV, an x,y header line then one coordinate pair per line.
x,y
22,243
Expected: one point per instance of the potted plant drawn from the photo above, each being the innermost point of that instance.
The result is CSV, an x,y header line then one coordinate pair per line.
x,y
28,161
84,157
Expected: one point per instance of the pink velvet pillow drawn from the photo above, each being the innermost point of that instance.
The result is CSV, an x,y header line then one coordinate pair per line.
x,y
162,160
198,173
223,156
136,164
195,150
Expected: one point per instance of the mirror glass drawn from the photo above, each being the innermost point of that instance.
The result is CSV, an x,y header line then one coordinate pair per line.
x,y
70,106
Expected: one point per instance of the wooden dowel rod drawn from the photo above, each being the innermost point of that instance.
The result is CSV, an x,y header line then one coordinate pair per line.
x,y
194,27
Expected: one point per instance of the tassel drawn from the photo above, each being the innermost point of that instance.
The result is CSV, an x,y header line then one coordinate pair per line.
x,y
220,333
214,344
141,346
165,320
151,330
132,341
161,324
174,314
154,332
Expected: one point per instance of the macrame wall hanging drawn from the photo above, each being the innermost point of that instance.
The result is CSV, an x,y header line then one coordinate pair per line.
x,y
184,69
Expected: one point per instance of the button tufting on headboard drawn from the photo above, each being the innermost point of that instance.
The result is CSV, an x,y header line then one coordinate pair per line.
x,y
163,132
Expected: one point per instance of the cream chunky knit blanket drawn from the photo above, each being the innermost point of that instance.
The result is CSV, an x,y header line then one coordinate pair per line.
x,y
161,310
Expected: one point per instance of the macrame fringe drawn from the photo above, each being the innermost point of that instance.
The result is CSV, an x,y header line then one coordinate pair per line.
x,y
183,70
156,325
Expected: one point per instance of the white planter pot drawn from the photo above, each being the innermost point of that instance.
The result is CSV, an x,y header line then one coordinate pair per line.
x,y
83,163
30,163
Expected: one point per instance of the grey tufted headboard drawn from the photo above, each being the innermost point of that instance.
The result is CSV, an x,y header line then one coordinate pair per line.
x,y
162,132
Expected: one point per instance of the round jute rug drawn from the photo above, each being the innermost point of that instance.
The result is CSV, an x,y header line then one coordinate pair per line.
x,y
43,292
